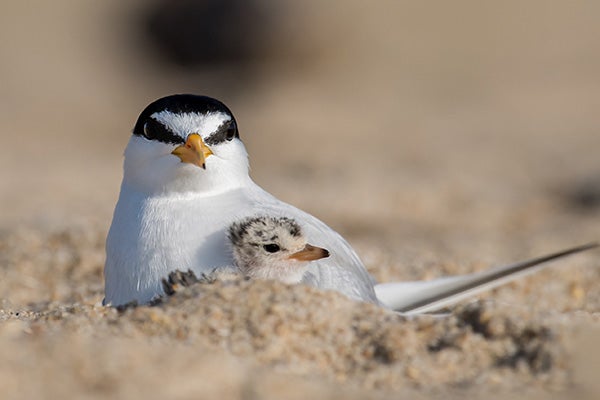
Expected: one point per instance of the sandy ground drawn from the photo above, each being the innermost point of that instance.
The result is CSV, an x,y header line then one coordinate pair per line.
x,y
439,139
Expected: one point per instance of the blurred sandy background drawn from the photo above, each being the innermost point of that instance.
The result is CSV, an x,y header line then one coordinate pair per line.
x,y
438,137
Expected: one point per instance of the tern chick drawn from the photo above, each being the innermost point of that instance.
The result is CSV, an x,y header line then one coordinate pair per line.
x,y
267,247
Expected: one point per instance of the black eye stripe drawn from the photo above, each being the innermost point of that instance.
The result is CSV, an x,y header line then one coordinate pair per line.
x,y
154,130
226,132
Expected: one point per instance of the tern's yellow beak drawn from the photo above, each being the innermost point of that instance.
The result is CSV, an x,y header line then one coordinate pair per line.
x,y
310,253
194,151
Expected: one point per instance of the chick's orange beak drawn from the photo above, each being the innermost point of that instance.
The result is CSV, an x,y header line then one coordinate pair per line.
x,y
310,253
194,151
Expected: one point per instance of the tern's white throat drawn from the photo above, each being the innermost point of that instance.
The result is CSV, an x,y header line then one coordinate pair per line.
x,y
150,168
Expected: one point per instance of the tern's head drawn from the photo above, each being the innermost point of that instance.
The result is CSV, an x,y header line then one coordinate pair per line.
x,y
185,143
272,248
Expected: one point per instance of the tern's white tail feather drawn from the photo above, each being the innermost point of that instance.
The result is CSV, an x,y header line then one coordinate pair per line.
x,y
427,296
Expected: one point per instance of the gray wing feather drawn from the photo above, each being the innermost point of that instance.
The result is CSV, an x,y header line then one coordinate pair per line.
x,y
427,296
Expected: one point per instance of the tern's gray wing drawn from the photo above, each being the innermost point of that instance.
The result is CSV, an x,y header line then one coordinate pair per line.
x,y
427,296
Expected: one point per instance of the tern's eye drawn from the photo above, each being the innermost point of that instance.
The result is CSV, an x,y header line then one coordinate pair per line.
x,y
271,248
154,130
149,130
231,131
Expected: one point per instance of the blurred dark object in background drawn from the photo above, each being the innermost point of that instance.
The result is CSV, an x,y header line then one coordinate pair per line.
x,y
200,33
585,194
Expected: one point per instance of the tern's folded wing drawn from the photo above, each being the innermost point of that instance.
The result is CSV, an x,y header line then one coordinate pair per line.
x,y
427,296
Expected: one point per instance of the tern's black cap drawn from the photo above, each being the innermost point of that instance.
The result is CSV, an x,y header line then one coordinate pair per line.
x,y
182,104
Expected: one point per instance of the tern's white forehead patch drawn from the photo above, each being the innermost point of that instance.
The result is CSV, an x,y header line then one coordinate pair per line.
x,y
185,123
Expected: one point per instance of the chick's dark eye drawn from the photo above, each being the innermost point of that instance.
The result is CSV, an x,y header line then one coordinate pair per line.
x,y
231,131
271,248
